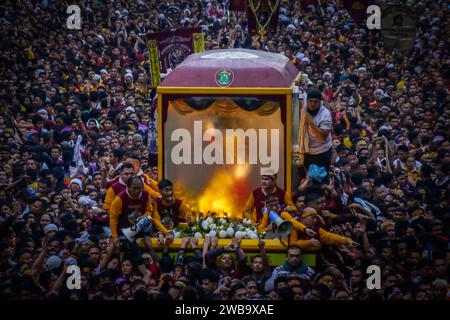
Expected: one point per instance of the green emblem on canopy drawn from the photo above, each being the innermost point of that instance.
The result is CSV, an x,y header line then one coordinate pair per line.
x,y
224,77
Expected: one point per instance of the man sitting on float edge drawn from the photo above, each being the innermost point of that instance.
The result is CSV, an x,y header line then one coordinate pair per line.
x,y
273,204
172,211
255,204
126,209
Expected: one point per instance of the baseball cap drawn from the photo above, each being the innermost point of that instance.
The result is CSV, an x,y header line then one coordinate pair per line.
x,y
314,94
52,262
269,172
136,136
50,227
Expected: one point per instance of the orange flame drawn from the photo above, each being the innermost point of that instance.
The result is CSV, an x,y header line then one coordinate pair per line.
x,y
218,195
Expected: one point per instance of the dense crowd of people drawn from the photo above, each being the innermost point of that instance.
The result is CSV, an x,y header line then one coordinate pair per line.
x,y
76,112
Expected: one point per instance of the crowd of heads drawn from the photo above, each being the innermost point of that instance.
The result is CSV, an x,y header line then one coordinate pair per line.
x,y
76,104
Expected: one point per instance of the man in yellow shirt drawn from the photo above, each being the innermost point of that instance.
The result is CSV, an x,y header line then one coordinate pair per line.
x,y
272,203
150,185
125,172
127,209
311,220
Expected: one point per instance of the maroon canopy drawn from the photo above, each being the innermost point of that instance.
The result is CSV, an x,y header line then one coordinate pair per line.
x,y
233,68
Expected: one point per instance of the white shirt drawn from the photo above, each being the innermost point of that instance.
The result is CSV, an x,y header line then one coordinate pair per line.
x,y
323,121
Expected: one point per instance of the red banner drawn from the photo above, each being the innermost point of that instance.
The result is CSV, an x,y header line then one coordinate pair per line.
x,y
357,9
175,46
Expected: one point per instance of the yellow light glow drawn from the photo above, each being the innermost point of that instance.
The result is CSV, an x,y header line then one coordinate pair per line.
x,y
241,171
218,196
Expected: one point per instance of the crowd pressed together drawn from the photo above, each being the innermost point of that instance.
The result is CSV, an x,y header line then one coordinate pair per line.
x,y
75,167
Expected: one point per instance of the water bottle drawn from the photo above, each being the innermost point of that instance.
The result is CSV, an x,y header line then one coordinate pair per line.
x,y
143,222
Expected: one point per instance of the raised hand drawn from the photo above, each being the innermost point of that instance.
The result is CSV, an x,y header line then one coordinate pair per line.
x,y
206,242
261,244
160,238
310,232
169,238
184,242
236,242
193,241
315,243
214,241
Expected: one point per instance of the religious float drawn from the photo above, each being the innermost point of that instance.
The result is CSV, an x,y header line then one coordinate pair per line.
x,y
223,117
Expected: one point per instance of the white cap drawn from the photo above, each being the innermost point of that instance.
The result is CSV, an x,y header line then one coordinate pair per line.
x,y
300,55
291,26
305,59
379,91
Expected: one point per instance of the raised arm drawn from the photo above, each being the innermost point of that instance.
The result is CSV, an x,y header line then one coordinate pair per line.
x,y
263,253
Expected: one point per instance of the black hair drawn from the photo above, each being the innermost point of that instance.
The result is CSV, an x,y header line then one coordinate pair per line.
x,y
298,194
285,293
313,196
324,291
280,279
118,153
208,274
357,178
189,293
403,148
98,173
164,184
133,178
234,288
141,295
294,248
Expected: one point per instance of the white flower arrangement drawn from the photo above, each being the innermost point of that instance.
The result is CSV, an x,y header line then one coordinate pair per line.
x,y
205,225
222,227
198,235
212,233
222,234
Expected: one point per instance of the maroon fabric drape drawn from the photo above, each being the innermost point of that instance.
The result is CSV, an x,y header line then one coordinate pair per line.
x,y
357,9
174,46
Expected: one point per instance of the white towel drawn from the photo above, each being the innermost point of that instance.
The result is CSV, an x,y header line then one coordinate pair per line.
x,y
303,136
